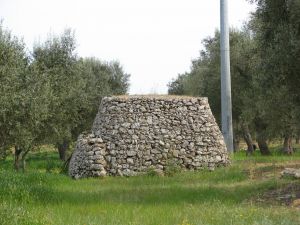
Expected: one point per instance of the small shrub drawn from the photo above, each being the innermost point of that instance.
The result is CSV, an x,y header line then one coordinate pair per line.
x,y
152,172
172,168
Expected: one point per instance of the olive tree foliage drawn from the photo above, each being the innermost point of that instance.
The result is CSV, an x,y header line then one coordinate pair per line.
x,y
265,69
176,86
101,79
22,98
50,95
57,61
77,86
13,63
204,80
119,80
276,28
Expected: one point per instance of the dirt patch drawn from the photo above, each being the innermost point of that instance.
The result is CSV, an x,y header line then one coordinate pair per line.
x,y
286,195
260,171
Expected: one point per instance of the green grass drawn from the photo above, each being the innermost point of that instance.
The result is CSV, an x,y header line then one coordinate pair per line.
x,y
225,196
276,156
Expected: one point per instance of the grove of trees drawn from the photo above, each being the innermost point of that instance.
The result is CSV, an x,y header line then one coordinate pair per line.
x,y
50,95
265,70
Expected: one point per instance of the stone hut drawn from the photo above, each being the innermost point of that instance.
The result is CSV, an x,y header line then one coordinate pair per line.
x,y
132,134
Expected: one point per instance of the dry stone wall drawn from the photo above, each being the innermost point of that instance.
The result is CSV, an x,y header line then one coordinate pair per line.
x,y
131,134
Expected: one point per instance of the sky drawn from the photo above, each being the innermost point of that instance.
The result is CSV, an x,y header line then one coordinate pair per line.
x,y
154,40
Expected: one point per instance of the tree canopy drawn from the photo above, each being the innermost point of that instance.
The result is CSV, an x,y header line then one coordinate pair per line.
x,y
265,75
50,95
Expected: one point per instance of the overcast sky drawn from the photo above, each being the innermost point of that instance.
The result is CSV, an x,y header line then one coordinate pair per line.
x,y
154,40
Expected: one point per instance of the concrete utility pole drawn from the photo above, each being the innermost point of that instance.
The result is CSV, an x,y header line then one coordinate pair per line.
x,y
226,78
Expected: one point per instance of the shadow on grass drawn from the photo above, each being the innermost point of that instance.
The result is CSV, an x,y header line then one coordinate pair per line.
x,y
199,187
48,189
35,161
169,195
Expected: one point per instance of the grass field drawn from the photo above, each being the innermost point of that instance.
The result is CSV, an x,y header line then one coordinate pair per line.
x,y
249,191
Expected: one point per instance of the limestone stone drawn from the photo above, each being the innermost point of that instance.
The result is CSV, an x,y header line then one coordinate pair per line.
x,y
291,172
130,161
175,153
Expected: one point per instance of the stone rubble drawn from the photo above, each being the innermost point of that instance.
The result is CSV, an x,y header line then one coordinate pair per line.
x,y
291,172
132,134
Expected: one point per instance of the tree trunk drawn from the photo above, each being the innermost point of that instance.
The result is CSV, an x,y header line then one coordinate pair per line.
x,y
297,140
17,161
20,157
66,164
62,149
236,144
248,140
261,133
287,145
23,159
263,145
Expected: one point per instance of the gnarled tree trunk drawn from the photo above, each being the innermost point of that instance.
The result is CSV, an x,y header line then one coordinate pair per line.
x,y
236,143
248,140
263,145
261,133
23,159
20,157
17,161
287,145
62,149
